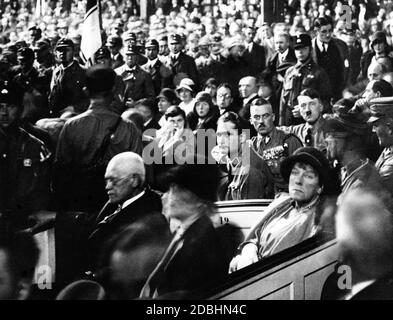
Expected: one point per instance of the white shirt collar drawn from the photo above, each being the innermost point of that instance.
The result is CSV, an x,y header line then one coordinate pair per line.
x,y
320,45
153,62
283,55
133,199
358,287
175,56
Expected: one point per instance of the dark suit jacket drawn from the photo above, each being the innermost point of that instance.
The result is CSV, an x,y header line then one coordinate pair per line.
x,y
138,84
184,64
201,260
147,206
118,62
256,59
333,66
160,74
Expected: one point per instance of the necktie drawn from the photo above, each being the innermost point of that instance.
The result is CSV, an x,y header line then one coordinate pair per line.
x,y
152,282
110,217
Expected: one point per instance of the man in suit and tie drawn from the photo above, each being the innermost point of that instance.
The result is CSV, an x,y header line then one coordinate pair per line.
x,y
181,64
160,73
130,201
254,54
248,91
327,55
280,61
138,82
114,44
195,257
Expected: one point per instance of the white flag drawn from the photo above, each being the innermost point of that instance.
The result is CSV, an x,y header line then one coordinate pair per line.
x,y
91,33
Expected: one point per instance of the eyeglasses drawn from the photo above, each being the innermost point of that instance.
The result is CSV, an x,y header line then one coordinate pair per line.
x,y
115,181
225,96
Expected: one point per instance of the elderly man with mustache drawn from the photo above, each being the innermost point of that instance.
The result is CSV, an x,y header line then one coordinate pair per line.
x,y
272,144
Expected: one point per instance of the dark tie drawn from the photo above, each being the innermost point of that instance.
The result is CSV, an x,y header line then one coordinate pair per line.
x,y
110,217
152,282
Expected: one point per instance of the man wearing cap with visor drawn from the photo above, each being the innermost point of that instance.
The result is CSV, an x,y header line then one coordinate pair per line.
x,y
114,44
24,161
138,82
382,121
159,72
68,81
305,74
181,64
347,144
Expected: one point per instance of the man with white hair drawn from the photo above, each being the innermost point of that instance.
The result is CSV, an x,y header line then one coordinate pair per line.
x,y
130,200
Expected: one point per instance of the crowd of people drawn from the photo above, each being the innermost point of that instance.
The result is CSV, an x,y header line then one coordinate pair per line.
x,y
198,103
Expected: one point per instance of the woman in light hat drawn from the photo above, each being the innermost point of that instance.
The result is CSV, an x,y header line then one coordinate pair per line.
x,y
185,90
290,218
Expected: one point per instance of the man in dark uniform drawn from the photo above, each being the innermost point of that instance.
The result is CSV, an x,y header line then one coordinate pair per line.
x,y
181,65
68,81
272,144
305,74
87,143
24,161
138,82
29,79
160,74
382,121
114,44
326,54
213,67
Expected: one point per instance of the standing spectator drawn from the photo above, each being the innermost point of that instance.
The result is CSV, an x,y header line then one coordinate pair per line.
x,y
67,82
181,65
159,73
326,55
248,91
87,143
114,44
138,82
254,53
25,161
305,74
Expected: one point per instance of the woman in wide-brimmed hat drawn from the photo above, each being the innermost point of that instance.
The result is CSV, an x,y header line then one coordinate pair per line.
x,y
290,218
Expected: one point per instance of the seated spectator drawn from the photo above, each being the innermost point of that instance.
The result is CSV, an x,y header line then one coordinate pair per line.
x,y
147,109
196,256
186,93
211,86
205,113
166,98
130,201
18,259
130,257
244,174
291,218
364,235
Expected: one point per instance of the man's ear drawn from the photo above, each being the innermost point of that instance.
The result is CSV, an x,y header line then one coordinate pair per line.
x,y
243,137
23,289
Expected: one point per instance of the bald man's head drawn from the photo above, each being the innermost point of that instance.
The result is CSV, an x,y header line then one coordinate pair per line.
x,y
364,233
247,86
124,176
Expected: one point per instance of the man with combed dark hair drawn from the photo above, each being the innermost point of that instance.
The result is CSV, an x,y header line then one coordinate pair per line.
x,y
327,54
18,259
87,143
245,175
312,132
